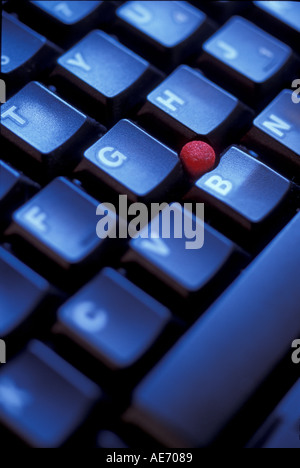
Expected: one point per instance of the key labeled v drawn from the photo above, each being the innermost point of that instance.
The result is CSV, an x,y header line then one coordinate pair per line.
x,y
78,61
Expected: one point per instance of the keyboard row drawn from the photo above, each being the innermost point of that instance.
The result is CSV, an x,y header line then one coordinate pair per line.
x,y
240,56
100,319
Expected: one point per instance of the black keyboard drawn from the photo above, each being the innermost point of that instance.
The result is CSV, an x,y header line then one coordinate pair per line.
x,y
115,342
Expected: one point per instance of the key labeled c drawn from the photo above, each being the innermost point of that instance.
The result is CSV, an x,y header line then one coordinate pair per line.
x,y
111,157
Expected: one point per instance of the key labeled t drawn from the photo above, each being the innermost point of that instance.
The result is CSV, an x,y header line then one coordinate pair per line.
x,y
12,114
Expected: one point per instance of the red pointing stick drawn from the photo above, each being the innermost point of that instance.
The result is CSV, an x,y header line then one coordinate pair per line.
x,y
197,158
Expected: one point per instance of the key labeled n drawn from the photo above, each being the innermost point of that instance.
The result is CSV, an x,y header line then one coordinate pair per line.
x,y
276,125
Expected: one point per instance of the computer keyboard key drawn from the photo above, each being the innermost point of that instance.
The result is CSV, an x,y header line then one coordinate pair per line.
x,y
65,21
22,292
242,187
221,361
131,162
281,430
105,76
24,53
45,127
276,131
247,60
15,189
60,222
187,106
43,399
113,319
281,18
165,32
184,267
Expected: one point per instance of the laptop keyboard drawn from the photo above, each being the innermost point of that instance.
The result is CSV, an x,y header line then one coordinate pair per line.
x,y
115,343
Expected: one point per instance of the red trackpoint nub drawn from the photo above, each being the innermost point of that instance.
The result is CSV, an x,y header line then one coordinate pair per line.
x,y
197,158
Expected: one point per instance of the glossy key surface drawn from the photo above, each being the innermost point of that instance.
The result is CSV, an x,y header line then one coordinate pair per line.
x,y
132,162
42,125
186,262
276,131
60,221
214,369
102,69
165,31
242,188
246,58
43,399
187,106
113,319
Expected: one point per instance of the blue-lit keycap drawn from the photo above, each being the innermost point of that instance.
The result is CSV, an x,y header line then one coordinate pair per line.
x,y
113,319
68,12
99,68
281,430
22,292
247,59
183,264
197,389
242,188
187,106
282,18
60,221
165,32
23,52
276,131
43,125
64,22
14,189
132,162
43,399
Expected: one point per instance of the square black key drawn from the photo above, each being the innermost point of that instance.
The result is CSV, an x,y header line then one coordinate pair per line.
x,y
165,32
276,132
280,18
187,266
131,162
113,319
188,106
243,188
64,22
246,59
60,222
44,126
43,399
104,75
24,53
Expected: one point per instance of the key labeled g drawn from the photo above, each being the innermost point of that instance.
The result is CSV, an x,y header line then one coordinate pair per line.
x,y
111,157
